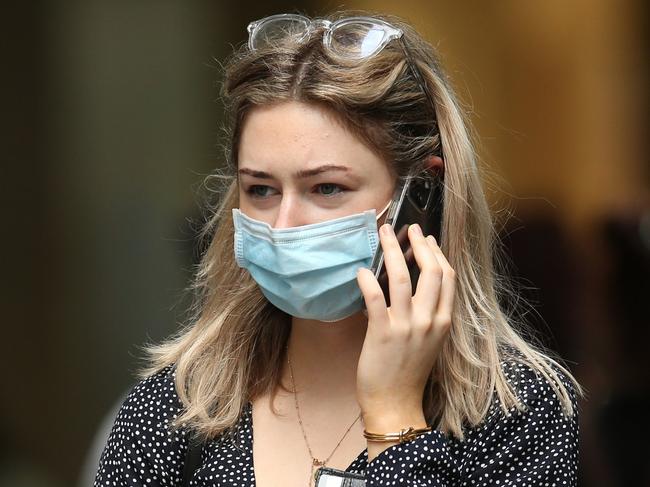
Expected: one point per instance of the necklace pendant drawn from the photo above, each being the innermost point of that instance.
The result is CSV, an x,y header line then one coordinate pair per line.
x,y
317,463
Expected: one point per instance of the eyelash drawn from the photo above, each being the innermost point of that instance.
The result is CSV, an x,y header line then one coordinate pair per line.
x,y
251,190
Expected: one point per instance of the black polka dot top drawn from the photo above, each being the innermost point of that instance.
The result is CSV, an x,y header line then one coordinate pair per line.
x,y
538,447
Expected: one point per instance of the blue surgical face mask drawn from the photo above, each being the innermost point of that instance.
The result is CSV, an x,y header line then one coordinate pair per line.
x,y
309,271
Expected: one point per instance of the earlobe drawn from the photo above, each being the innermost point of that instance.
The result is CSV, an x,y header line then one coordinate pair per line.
x,y
435,164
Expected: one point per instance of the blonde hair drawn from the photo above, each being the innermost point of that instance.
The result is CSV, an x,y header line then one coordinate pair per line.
x,y
232,348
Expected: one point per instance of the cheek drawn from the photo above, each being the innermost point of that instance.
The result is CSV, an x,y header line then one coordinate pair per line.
x,y
385,191
246,208
252,212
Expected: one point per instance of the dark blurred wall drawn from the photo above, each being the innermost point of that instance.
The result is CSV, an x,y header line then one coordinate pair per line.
x,y
113,119
26,223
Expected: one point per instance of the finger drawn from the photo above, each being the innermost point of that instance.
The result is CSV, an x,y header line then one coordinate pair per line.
x,y
448,286
399,280
374,298
425,300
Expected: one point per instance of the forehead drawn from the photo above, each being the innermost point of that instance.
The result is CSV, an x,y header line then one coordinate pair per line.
x,y
294,135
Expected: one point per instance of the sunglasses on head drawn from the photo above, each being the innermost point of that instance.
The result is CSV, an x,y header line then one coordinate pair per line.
x,y
351,38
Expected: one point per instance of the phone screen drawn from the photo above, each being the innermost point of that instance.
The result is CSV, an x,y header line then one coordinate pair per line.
x,y
330,477
418,200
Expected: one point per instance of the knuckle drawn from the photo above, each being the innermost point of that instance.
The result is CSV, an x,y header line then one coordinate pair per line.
x,y
428,267
385,338
424,325
402,333
436,271
443,323
375,297
402,278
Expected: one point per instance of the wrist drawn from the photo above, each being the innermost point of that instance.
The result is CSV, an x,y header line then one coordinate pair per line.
x,y
403,436
393,421
389,422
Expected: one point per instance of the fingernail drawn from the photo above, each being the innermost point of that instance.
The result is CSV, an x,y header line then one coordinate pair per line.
x,y
386,229
432,239
415,228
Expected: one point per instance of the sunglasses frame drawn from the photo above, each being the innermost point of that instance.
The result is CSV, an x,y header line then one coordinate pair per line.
x,y
390,33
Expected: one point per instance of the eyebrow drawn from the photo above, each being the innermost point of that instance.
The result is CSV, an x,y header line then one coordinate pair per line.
x,y
303,173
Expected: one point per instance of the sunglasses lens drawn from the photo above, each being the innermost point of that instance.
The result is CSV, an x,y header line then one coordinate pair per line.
x,y
357,40
274,30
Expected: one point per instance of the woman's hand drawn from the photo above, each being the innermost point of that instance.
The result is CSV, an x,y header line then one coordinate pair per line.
x,y
403,341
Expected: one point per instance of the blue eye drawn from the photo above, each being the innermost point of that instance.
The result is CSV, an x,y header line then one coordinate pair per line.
x,y
329,189
260,191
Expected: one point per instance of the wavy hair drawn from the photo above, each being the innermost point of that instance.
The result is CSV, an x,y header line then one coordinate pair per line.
x,y
232,346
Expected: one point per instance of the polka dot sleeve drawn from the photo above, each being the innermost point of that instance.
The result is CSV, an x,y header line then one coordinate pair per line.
x,y
538,446
427,460
141,449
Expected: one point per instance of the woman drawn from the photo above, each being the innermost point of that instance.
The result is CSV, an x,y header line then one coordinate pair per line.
x,y
282,370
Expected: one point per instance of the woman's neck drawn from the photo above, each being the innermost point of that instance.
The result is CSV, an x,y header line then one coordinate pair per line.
x,y
324,357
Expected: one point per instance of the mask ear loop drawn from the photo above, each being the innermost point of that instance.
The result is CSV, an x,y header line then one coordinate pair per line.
x,y
381,213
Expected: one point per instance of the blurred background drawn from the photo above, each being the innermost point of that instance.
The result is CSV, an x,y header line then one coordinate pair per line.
x,y
112,118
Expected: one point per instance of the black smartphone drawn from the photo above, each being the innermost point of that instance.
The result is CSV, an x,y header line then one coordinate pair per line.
x,y
417,199
330,477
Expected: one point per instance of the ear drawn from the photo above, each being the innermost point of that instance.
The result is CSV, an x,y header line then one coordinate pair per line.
x,y
435,164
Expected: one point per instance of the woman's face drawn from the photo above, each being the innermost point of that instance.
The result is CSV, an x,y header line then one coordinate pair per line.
x,y
298,165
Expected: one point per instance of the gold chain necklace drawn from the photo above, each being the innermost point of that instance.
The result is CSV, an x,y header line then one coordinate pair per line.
x,y
315,463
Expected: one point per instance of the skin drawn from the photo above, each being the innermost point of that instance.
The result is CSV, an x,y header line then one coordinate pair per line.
x,y
382,360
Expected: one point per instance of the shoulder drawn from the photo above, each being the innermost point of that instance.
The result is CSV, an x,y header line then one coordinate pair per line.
x,y
142,438
548,403
532,386
536,443
152,398
150,408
